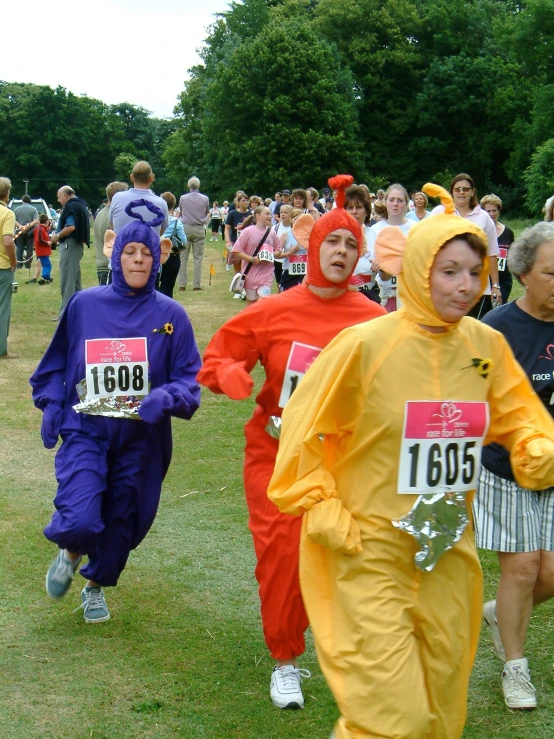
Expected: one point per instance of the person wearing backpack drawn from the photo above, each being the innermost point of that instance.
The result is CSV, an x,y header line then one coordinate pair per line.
x,y
176,234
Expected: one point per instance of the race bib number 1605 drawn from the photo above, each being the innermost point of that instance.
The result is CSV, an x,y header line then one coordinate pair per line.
x,y
441,446
116,367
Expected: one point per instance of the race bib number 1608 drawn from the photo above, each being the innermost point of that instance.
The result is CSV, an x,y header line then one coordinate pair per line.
x,y
116,367
441,446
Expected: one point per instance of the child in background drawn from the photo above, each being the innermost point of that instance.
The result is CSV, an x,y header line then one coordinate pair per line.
x,y
260,277
43,249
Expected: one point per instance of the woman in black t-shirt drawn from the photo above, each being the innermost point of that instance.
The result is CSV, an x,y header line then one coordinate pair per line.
x,y
233,221
493,205
514,522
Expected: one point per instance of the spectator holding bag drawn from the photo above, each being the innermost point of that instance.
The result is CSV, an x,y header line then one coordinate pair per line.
x,y
256,246
176,234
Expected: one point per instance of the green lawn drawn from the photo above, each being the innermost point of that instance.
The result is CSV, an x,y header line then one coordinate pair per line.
x,y
183,655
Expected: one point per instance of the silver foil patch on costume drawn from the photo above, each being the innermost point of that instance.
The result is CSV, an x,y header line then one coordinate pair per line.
x,y
436,522
273,427
120,406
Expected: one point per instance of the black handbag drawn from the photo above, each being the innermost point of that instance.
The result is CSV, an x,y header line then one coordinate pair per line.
x,y
176,244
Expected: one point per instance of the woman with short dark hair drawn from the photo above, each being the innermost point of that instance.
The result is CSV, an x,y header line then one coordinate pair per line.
x,y
358,204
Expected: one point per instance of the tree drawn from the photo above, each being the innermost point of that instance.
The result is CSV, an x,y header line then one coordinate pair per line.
x,y
53,137
526,36
379,41
123,164
539,177
247,124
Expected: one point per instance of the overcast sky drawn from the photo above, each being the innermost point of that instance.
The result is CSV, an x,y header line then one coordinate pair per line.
x,y
135,51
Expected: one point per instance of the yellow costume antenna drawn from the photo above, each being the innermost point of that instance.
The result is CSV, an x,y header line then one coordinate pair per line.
x,y
436,191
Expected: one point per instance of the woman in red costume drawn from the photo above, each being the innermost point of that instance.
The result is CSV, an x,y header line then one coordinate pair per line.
x,y
285,333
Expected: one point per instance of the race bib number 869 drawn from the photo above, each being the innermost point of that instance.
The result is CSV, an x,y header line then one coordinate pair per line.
x,y
441,446
298,264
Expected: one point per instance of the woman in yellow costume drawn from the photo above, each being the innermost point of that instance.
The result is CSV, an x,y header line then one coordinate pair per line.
x,y
380,453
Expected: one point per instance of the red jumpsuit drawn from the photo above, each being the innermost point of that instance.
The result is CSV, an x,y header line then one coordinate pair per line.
x,y
284,333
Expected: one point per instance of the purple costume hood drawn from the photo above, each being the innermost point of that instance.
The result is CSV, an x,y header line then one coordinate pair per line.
x,y
142,233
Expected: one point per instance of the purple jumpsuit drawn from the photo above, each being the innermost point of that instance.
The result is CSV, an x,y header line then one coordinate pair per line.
x,y
110,470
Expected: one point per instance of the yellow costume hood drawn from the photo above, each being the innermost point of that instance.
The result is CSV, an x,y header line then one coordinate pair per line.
x,y
412,257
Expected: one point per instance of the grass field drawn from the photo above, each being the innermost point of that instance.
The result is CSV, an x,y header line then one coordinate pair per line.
x,y
183,655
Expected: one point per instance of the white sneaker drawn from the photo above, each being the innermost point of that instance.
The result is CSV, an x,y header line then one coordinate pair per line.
x,y
236,296
519,691
489,616
285,687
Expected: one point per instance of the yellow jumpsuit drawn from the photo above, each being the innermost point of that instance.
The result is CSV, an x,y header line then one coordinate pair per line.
x,y
396,644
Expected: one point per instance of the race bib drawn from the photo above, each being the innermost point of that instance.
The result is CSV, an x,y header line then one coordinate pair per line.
x,y
116,367
502,256
298,264
300,359
441,446
266,254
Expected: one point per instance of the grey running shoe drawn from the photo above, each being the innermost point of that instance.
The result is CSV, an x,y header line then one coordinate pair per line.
x,y
94,605
489,615
59,575
519,691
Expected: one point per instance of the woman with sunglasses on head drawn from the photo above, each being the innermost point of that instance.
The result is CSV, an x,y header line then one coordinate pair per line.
x,y
462,189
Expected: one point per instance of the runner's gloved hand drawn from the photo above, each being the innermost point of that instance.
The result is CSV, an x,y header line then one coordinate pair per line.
x,y
332,526
51,424
235,381
157,404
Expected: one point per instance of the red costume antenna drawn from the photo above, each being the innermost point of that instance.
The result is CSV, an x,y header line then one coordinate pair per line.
x,y
339,183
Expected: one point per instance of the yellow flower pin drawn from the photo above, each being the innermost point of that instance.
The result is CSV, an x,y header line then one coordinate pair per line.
x,y
483,366
167,328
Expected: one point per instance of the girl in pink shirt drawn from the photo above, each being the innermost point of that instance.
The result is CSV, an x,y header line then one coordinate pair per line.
x,y
261,274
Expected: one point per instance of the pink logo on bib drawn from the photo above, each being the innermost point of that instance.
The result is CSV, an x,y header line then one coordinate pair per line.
x,y
549,349
117,347
436,419
448,414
